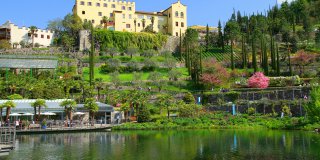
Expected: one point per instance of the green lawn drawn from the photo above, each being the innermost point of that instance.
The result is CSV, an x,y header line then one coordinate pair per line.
x,y
127,77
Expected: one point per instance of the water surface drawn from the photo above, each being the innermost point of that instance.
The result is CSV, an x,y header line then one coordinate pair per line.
x,y
167,145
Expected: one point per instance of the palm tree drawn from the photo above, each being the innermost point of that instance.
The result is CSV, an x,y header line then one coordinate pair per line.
x,y
143,23
38,103
165,28
69,106
135,25
33,30
92,106
8,105
105,21
166,101
99,85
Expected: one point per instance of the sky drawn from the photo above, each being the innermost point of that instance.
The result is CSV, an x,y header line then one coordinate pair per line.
x,y
200,12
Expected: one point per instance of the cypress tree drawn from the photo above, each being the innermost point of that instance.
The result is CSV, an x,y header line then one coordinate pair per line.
x,y
278,60
207,38
254,57
220,35
317,36
91,58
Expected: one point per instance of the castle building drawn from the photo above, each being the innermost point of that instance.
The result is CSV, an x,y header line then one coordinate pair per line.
x,y
15,35
123,16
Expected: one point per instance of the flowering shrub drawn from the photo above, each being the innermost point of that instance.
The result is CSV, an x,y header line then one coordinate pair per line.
x,y
258,80
214,73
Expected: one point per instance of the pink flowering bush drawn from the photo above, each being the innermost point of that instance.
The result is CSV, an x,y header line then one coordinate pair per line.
x,y
258,80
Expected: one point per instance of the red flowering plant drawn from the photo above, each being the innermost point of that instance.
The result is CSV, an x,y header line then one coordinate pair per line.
x,y
214,73
258,80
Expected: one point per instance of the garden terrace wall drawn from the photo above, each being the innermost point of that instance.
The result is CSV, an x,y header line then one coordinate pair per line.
x,y
297,110
279,93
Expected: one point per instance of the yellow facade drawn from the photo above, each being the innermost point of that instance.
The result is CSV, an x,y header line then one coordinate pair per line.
x,y
123,16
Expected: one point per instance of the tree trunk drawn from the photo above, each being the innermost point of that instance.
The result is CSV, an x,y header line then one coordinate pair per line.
x,y
35,114
1,115
39,109
232,58
168,112
8,112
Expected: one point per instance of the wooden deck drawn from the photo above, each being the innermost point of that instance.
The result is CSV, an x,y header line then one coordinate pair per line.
x,y
7,140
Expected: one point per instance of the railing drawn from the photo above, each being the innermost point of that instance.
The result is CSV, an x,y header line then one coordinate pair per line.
x,y
7,136
63,125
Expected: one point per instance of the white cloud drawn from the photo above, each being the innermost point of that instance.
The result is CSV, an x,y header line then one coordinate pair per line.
x,y
281,1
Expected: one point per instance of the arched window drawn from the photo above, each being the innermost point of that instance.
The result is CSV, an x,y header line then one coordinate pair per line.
x,y
182,15
177,14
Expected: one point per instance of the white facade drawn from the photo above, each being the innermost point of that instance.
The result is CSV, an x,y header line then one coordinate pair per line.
x,y
18,34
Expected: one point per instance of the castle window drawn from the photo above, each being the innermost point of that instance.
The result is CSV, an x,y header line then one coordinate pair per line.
x,y
89,4
123,8
105,5
42,36
111,14
177,24
113,6
128,26
138,24
92,21
169,15
182,15
36,35
177,34
82,3
100,13
130,16
177,14
182,24
83,12
130,8
48,37
98,4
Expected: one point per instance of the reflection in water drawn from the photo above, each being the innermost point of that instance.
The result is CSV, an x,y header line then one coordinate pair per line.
x,y
176,145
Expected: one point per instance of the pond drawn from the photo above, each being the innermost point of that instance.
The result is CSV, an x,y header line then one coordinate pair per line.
x,y
167,145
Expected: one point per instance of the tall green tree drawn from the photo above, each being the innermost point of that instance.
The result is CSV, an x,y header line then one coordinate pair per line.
x,y
232,31
192,54
91,57
220,36
207,38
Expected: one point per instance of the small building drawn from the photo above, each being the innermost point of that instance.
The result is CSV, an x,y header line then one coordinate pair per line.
x,y
23,107
15,35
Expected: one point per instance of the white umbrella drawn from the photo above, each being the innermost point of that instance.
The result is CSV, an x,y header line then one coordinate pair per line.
x,y
79,113
28,114
48,114
14,114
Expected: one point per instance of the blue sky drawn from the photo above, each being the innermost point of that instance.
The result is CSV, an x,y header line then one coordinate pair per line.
x,y
200,12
